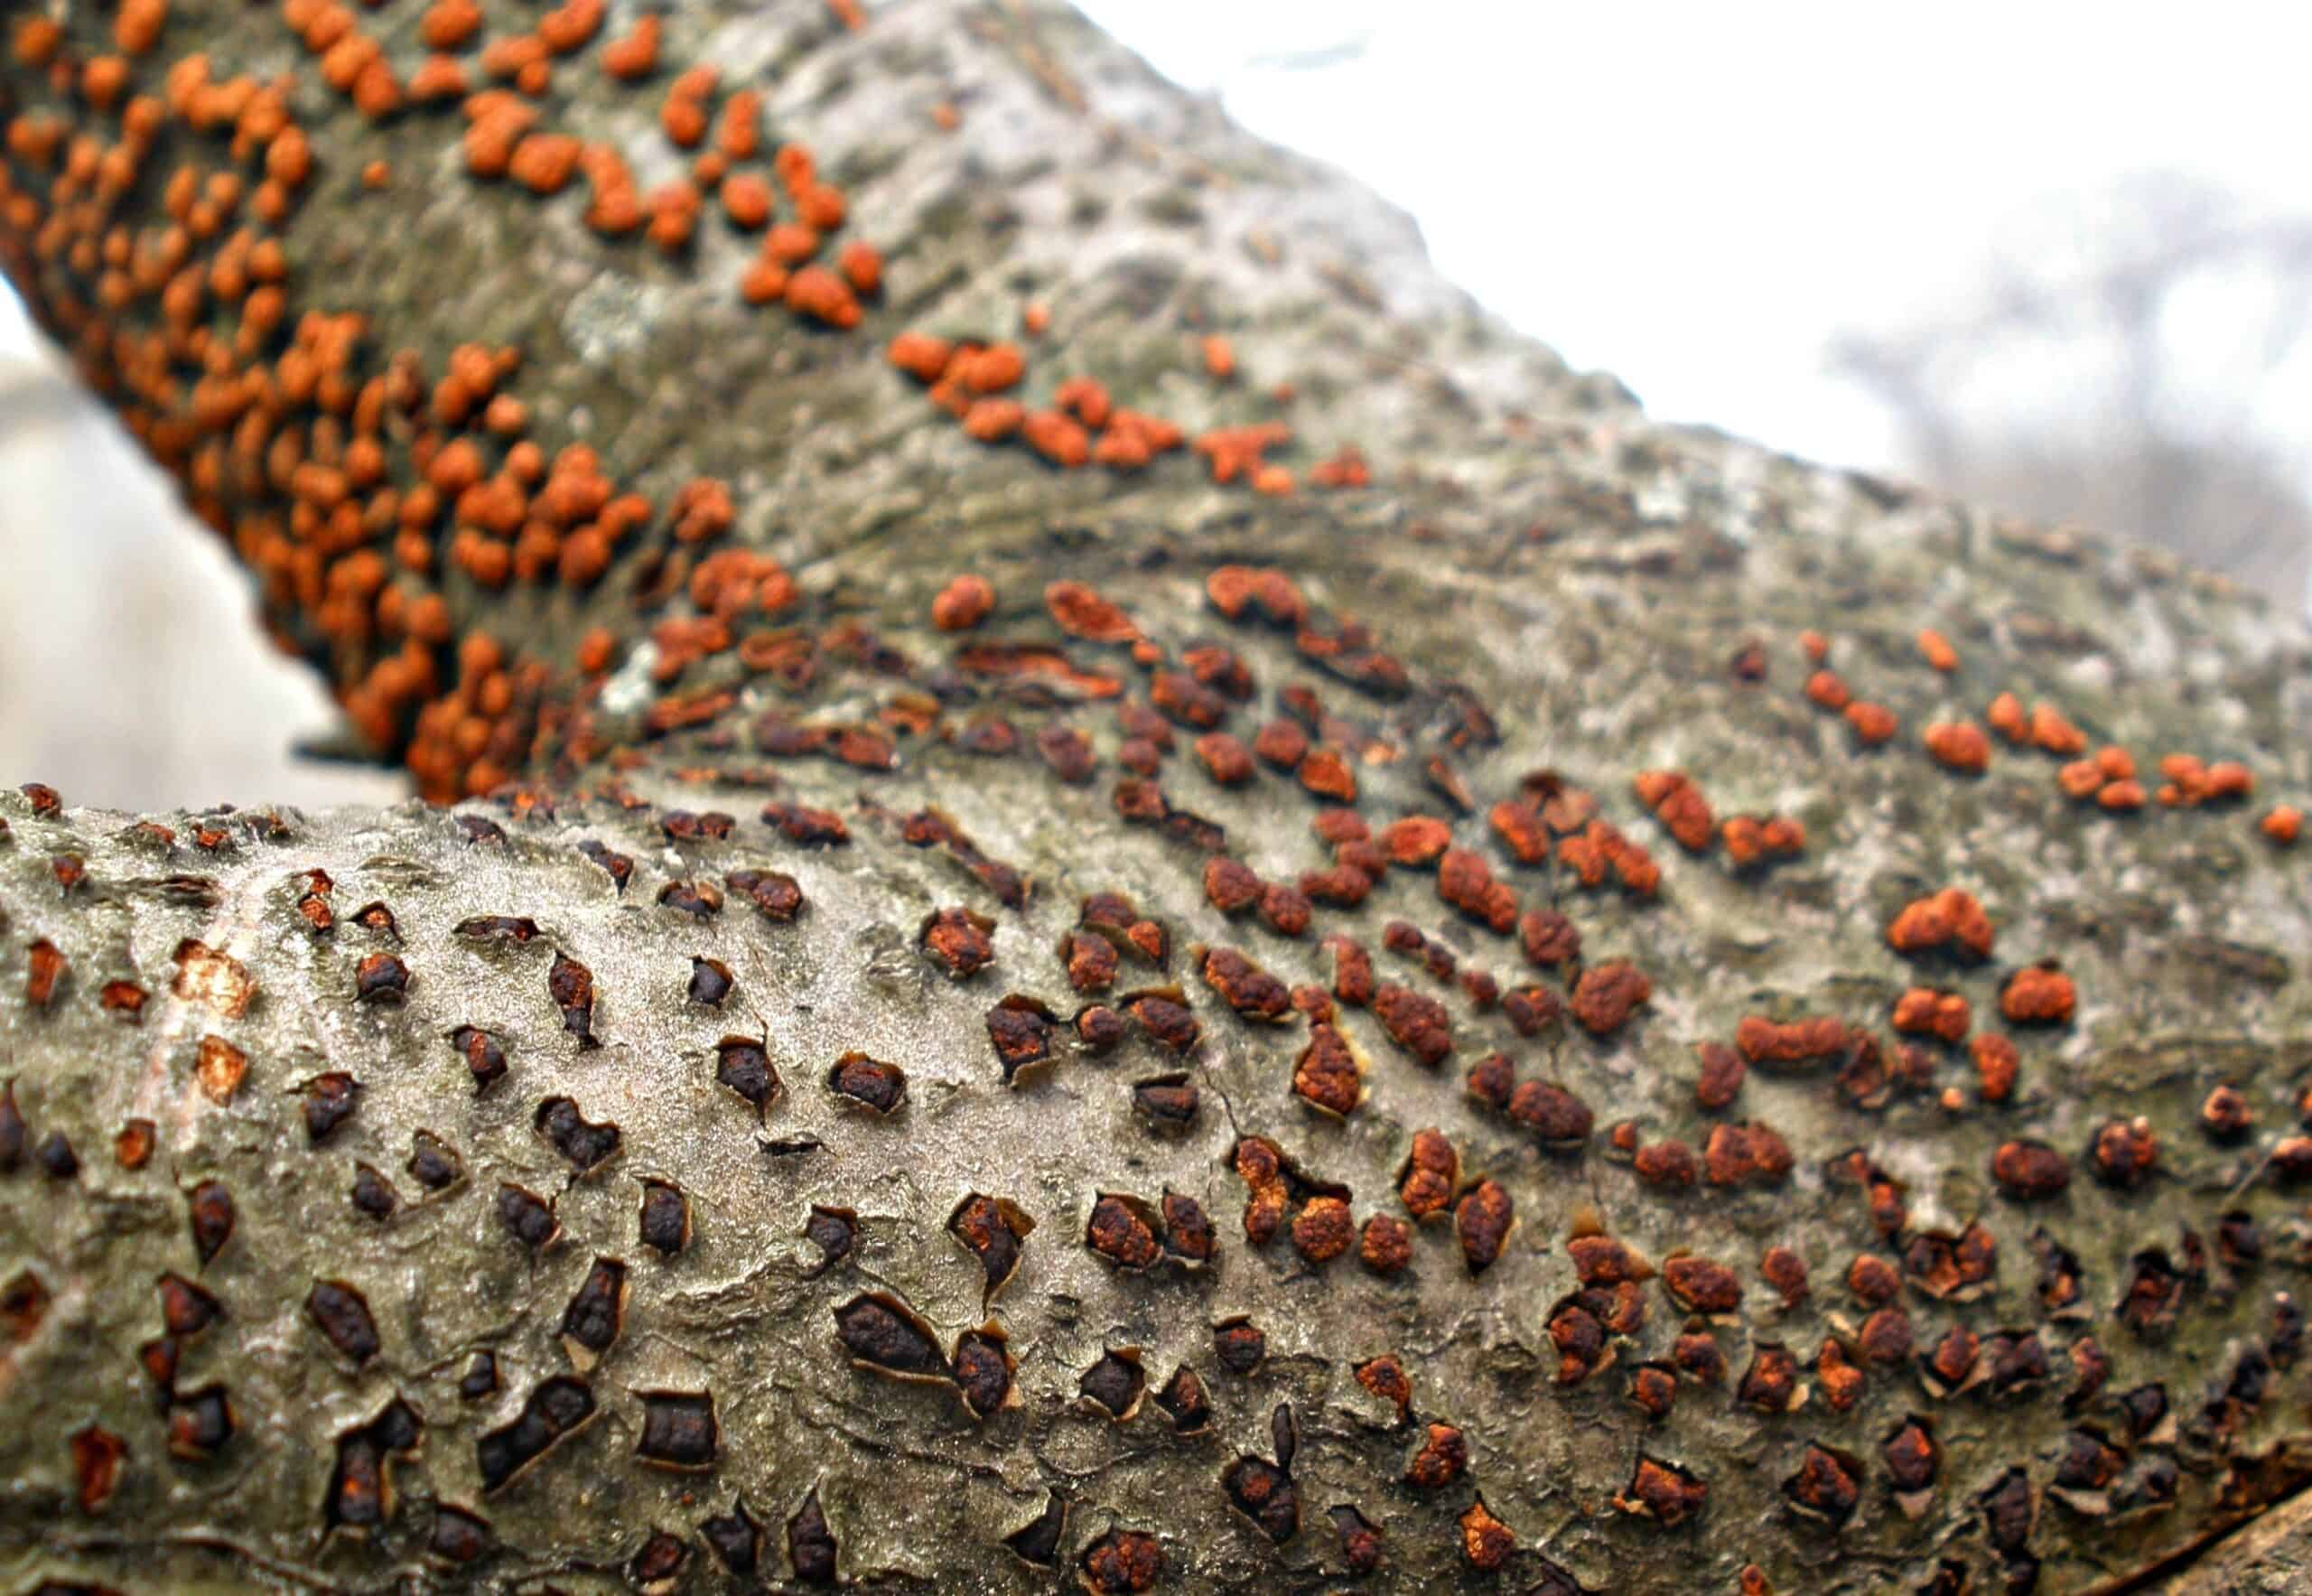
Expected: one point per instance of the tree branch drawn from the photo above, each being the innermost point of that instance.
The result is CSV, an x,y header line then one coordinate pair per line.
x,y
794,919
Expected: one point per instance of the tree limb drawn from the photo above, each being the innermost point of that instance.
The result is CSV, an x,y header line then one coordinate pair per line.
x,y
594,1073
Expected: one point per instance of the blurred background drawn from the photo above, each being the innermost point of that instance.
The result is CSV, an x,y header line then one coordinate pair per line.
x,y
2047,256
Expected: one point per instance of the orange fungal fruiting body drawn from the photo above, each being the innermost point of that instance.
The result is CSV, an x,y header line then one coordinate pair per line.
x,y
1873,723
1951,919
1828,689
2049,731
1679,806
963,603
1960,745
1924,1012
2038,994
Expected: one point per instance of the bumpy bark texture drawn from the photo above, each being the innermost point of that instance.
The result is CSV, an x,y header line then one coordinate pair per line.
x,y
1239,1067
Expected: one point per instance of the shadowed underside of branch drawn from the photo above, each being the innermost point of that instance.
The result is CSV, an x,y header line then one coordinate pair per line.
x,y
1128,896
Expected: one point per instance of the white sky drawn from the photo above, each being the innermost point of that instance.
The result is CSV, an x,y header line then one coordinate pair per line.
x,y
1696,197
